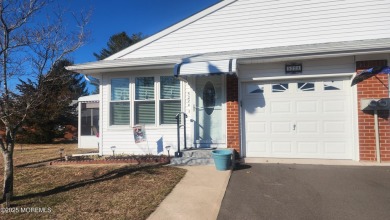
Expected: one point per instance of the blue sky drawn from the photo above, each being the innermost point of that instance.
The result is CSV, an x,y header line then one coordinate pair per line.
x,y
131,16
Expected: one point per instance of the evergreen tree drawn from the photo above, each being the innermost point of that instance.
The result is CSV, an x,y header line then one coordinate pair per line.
x,y
47,120
118,42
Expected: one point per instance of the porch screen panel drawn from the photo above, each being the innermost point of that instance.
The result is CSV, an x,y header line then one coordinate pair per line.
x,y
89,119
145,109
170,103
86,123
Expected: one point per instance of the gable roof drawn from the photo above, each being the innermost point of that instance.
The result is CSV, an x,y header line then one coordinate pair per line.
x,y
266,29
171,29
255,24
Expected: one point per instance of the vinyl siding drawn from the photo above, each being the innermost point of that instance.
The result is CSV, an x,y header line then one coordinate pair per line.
x,y
340,65
249,24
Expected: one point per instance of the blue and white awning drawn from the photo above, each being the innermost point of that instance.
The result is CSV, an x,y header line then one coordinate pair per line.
x,y
206,68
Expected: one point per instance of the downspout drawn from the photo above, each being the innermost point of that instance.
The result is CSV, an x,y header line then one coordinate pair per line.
x,y
79,125
101,116
377,142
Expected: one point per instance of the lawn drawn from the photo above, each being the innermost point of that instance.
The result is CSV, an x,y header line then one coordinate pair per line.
x,y
85,192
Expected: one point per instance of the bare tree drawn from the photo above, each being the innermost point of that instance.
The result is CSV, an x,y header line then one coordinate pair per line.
x,y
29,48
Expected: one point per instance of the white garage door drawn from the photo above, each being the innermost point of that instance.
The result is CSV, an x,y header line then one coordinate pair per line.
x,y
298,119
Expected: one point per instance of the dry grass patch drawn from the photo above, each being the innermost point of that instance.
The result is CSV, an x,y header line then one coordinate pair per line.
x,y
30,153
89,192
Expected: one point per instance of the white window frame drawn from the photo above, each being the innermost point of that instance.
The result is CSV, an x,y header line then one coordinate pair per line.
x,y
133,101
160,100
118,101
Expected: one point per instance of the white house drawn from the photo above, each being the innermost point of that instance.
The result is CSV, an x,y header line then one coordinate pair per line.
x,y
267,78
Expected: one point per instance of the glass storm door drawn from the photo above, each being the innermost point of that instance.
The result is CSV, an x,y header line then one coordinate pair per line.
x,y
209,126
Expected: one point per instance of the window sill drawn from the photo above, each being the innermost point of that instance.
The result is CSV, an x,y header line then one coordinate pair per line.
x,y
153,127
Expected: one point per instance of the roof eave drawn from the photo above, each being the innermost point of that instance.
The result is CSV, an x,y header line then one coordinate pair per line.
x,y
283,53
106,69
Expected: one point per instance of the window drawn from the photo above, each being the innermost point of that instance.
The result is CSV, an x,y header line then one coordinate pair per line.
x,y
281,87
306,86
120,102
170,103
255,89
333,85
89,119
144,100
156,100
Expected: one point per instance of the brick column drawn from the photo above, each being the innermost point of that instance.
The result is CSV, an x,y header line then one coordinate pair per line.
x,y
233,115
373,89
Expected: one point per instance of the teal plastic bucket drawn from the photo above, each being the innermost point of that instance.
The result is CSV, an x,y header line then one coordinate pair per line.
x,y
222,159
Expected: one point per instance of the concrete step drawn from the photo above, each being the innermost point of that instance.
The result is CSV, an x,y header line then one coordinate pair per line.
x,y
194,157
191,161
198,153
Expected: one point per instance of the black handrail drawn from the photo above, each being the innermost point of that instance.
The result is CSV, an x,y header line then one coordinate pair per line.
x,y
178,153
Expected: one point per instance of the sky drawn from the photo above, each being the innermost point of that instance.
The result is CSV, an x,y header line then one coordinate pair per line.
x,y
132,16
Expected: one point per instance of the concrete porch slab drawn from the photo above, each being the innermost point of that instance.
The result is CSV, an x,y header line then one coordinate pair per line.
x,y
313,162
197,196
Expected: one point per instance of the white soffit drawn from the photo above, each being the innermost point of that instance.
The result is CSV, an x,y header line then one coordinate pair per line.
x,y
89,98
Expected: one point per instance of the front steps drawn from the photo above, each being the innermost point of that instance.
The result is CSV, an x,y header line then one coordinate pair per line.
x,y
194,157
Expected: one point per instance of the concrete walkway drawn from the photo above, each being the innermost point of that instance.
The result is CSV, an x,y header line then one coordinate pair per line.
x,y
197,196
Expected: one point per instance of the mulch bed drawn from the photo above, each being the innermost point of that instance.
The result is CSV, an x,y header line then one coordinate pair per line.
x,y
114,160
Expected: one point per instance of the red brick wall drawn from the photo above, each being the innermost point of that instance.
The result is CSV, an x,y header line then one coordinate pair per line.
x,y
233,115
373,89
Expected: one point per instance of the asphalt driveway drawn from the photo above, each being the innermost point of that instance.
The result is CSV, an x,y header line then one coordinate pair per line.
x,y
282,191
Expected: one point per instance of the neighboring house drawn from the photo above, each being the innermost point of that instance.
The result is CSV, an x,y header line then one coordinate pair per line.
x,y
88,128
266,78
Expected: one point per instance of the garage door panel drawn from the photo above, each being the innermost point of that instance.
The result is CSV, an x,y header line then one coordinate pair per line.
x,y
256,127
335,127
308,147
307,127
279,147
257,147
278,107
334,106
281,127
254,106
299,122
335,147
307,106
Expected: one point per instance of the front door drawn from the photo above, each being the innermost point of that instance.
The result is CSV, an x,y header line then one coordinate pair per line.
x,y
210,125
